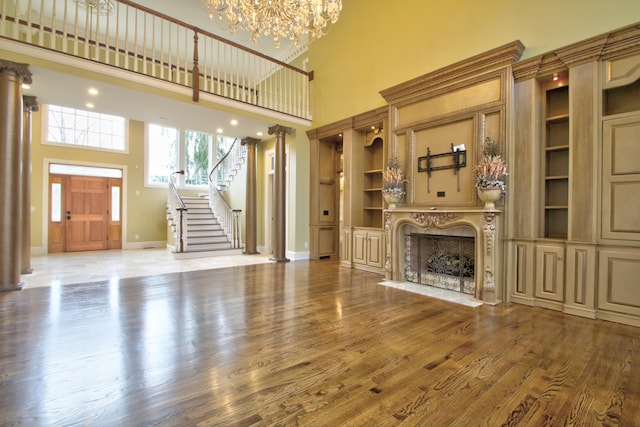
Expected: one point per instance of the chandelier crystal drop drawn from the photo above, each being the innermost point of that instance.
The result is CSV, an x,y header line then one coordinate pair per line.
x,y
280,19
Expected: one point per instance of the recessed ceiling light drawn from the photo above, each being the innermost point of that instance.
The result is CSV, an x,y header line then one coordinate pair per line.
x,y
259,134
93,91
89,105
234,122
219,130
26,86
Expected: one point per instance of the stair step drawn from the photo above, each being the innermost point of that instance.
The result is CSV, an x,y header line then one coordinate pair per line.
x,y
202,221
204,226
199,210
201,215
207,239
207,246
205,233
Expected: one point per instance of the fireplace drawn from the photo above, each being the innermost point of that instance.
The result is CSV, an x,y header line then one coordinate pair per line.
x,y
481,254
446,262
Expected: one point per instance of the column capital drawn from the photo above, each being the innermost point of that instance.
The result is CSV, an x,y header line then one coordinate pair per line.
x,y
22,70
29,103
279,129
249,141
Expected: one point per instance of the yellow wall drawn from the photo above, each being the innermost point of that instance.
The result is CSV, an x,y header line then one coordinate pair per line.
x,y
377,44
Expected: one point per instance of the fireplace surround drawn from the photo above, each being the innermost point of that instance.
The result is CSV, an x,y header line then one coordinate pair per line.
x,y
484,226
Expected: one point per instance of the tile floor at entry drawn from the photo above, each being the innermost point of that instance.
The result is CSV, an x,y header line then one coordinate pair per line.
x,y
95,266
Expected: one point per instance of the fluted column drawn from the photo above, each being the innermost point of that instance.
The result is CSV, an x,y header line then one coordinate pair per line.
x,y
279,194
29,105
12,75
251,212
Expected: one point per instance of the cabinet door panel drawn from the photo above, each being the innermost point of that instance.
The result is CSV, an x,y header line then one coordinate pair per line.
x,y
550,273
359,247
375,242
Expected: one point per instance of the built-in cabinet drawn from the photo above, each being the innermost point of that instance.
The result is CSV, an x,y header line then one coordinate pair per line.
x,y
356,190
576,132
368,249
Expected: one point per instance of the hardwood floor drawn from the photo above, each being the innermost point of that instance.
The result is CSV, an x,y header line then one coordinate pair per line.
x,y
302,343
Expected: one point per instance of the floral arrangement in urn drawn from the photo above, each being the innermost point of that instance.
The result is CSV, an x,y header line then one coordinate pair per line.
x,y
392,182
491,171
491,174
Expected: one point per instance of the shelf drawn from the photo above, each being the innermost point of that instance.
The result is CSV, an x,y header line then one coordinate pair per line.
x,y
556,177
372,171
552,207
372,208
557,119
373,189
557,148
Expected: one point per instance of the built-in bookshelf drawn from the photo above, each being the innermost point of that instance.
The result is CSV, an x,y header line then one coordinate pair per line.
x,y
556,162
372,164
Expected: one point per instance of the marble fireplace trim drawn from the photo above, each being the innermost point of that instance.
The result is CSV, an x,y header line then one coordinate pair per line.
x,y
484,226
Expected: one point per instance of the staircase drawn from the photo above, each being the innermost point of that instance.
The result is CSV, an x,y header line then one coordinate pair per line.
x,y
203,234
208,227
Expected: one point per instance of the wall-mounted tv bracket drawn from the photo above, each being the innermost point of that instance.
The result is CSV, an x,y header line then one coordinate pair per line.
x,y
458,160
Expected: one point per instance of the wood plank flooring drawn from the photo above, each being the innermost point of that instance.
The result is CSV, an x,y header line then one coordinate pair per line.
x,y
302,343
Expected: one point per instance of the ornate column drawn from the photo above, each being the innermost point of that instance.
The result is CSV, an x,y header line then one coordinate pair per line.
x,y
251,212
279,194
29,105
12,75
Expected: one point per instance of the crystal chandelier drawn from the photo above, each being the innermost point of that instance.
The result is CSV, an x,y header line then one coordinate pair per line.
x,y
290,19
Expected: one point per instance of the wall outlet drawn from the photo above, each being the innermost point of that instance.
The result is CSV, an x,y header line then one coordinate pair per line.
x,y
137,237
306,245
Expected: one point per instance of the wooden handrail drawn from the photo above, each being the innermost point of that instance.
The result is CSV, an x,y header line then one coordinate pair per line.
x,y
309,74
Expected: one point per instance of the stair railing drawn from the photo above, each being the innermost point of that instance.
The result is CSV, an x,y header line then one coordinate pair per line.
x,y
178,211
228,217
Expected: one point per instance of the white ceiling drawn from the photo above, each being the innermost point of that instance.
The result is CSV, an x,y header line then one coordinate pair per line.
x,y
68,90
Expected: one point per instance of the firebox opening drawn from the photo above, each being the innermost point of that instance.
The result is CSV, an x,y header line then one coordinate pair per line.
x,y
443,261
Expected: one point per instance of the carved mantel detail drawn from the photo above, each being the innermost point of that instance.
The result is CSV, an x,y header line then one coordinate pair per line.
x,y
434,219
489,229
485,225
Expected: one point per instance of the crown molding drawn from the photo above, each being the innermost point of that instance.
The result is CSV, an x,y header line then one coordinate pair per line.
x,y
604,46
435,81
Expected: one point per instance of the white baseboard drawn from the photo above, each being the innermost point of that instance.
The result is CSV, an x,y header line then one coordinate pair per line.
x,y
298,256
145,245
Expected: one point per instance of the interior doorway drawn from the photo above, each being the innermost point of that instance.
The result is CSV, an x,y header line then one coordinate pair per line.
x,y
85,211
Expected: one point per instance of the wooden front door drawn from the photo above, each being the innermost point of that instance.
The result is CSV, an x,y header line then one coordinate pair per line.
x,y
86,213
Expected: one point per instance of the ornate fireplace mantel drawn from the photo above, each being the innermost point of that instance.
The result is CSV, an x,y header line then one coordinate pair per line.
x,y
485,225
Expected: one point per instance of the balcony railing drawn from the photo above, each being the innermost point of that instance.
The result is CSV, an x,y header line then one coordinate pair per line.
x,y
132,37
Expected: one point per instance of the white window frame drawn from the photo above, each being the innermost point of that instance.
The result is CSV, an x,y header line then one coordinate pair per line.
x,y
180,155
46,141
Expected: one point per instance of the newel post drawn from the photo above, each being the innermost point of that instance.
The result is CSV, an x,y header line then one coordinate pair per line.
x,y
195,73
